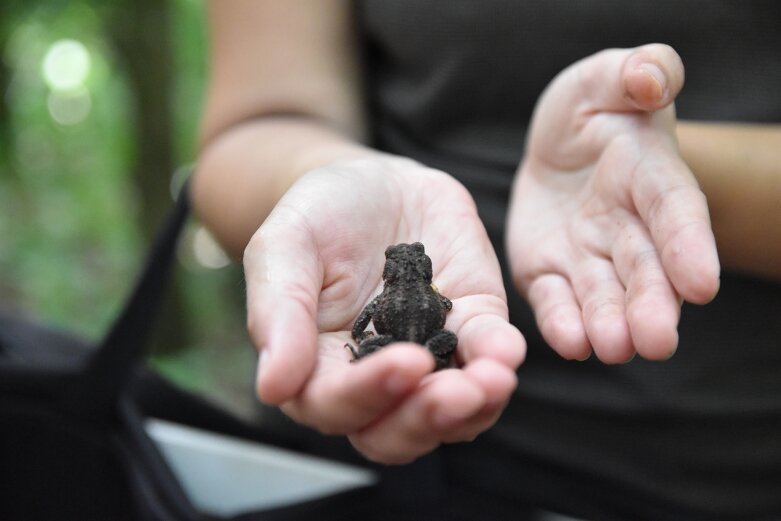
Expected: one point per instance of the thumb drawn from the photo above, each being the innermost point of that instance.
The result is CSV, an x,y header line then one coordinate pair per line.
x,y
646,78
284,277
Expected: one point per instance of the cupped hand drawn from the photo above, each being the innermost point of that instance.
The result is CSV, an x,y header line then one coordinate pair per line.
x,y
608,229
318,259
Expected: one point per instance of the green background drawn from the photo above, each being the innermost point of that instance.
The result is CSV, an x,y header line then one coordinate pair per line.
x,y
80,201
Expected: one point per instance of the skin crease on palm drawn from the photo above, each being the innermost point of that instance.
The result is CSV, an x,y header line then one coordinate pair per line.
x,y
615,197
607,232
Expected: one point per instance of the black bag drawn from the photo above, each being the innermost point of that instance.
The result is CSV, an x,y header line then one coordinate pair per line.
x,y
72,438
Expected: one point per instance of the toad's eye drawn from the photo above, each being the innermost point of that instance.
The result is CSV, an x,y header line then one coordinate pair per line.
x,y
424,270
390,271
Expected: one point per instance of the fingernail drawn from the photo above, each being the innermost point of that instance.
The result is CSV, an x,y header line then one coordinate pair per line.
x,y
673,350
444,421
397,385
584,357
497,403
658,75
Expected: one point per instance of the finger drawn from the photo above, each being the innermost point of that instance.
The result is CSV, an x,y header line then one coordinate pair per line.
x,y
284,278
675,210
347,397
478,424
558,316
498,383
495,379
601,296
652,306
444,401
483,332
644,78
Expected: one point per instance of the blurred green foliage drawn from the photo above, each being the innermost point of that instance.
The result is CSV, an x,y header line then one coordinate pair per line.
x,y
70,235
71,241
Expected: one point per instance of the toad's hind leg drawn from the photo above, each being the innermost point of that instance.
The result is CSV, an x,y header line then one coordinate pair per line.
x,y
369,345
442,344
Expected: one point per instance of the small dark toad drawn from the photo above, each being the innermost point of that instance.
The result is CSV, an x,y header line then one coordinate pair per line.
x,y
410,308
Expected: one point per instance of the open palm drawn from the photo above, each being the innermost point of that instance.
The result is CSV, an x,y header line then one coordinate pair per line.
x,y
318,259
608,229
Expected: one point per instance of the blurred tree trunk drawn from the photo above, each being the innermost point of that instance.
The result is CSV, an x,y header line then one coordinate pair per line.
x,y
6,144
141,33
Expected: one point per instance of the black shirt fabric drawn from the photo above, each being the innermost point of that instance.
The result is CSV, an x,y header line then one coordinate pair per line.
x,y
453,84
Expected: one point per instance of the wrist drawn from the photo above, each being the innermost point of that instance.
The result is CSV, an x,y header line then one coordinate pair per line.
x,y
246,169
735,165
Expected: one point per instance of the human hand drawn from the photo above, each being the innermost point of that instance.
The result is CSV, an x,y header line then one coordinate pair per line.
x,y
318,259
608,228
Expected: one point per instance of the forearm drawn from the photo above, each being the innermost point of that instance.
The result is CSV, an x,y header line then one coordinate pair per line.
x,y
244,171
284,97
739,169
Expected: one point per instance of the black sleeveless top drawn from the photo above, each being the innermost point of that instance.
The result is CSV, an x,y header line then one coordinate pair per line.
x,y
453,84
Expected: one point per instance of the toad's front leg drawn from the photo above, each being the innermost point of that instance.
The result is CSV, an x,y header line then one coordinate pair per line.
x,y
369,345
362,322
359,332
446,303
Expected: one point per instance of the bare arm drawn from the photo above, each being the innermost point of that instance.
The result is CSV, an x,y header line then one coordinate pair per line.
x,y
284,98
739,169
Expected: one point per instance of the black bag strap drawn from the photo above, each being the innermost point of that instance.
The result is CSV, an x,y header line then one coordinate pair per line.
x,y
107,372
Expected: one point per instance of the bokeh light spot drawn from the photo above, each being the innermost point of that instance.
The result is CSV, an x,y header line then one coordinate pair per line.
x,y
207,252
69,107
66,65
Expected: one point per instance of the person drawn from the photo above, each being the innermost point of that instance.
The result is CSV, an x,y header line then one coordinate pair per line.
x,y
334,129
